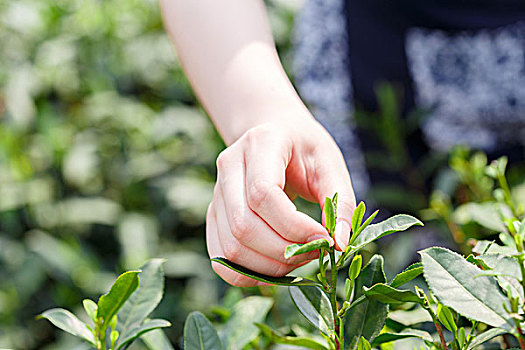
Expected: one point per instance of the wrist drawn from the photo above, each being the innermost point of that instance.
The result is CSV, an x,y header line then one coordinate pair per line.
x,y
262,110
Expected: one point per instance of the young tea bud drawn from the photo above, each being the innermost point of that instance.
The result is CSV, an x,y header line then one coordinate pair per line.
x,y
355,267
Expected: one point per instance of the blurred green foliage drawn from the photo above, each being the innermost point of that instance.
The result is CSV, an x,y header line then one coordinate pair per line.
x,y
106,160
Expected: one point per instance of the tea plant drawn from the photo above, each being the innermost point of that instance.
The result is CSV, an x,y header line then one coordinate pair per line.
x,y
470,300
121,315
343,325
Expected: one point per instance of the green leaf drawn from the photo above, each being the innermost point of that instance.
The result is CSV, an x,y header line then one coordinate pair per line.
x,y
147,326
446,317
407,275
484,214
462,337
109,304
315,305
364,225
357,217
386,294
68,322
296,249
282,281
240,330
502,265
368,317
391,225
349,288
486,336
156,340
364,344
329,215
355,267
278,338
411,317
489,247
91,309
452,279
334,203
141,303
199,333
388,337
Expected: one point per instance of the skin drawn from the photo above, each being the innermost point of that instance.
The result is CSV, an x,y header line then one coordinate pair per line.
x,y
276,150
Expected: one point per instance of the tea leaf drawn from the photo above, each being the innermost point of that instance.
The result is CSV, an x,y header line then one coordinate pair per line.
x,y
446,317
367,318
282,281
502,265
462,337
277,338
240,330
141,303
349,288
364,344
109,304
355,267
296,249
406,333
329,215
68,322
391,225
357,217
315,305
156,339
489,247
452,280
91,309
386,294
407,275
147,326
200,334
486,336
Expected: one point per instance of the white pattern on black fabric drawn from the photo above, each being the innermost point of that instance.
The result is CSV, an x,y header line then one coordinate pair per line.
x,y
321,72
474,82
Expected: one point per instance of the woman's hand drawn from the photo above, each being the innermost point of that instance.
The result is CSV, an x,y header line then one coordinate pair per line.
x,y
251,218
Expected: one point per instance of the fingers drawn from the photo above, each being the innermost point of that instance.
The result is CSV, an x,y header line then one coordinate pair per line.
x,y
265,180
331,177
215,250
243,224
221,242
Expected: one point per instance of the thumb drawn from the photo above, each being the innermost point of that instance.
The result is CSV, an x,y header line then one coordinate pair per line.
x,y
338,182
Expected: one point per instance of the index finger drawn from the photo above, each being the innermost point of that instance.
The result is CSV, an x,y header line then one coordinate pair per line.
x,y
265,178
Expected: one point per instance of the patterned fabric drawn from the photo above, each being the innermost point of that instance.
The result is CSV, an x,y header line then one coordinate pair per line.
x,y
473,82
323,80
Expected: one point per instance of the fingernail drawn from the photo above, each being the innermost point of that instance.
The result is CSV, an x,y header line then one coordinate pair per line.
x,y
342,234
328,238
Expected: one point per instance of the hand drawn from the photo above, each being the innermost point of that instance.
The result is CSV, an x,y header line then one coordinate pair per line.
x,y
251,218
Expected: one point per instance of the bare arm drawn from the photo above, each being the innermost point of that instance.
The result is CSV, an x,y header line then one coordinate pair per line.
x,y
228,53
276,148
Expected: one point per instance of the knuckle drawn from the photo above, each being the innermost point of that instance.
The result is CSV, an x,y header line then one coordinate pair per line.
x,y
257,193
222,159
239,227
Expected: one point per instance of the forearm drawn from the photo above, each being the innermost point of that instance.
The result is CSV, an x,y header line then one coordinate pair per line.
x,y
228,53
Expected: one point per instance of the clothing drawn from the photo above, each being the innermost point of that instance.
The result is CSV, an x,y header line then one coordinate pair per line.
x,y
461,60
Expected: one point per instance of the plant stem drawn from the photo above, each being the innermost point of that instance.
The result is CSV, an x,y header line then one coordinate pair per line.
x,y
520,338
508,196
333,297
438,327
